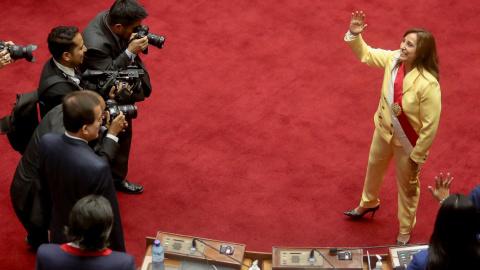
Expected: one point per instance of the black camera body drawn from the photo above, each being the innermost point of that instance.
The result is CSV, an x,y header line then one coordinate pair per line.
x,y
104,80
155,40
129,110
19,51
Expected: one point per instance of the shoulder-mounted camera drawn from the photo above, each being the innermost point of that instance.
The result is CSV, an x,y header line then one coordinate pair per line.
x,y
105,79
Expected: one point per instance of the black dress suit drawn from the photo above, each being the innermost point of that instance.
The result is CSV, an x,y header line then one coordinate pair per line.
x,y
69,170
104,52
53,257
23,192
52,96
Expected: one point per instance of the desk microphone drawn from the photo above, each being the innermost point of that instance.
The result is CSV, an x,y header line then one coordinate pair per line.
x,y
311,255
226,254
194,245
312,258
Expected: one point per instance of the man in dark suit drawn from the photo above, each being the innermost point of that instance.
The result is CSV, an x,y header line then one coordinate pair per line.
x,y
69,169
23,192
66,46
111,45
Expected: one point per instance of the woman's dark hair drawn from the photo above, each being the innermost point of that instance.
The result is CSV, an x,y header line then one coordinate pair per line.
x,y
60,40
90,223
126,13
427,58
79,110
454,243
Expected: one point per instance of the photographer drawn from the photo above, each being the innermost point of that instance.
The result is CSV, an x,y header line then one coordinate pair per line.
x,y
5,58
23,191
66,46
111,43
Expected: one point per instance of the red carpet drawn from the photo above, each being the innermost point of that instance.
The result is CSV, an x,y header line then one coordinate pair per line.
x,y
261,118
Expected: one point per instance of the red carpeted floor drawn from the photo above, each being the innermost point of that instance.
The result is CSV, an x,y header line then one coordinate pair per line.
x,y
260,122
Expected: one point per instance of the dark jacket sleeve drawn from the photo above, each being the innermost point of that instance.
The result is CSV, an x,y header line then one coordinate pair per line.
x,y
42,185
103,185
100,59
475,197
104,147
419,261
108,149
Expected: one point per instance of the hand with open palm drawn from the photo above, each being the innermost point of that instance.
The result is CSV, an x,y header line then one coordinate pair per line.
x,y
357,23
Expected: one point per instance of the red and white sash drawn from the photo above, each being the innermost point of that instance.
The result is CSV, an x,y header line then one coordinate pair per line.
x,y
402,127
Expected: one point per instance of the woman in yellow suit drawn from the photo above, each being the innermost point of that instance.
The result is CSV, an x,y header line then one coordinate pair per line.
x,y
406,120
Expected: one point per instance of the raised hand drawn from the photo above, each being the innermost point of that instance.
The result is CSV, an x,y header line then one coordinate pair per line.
x,y
357,23
137,46
442,187
118,124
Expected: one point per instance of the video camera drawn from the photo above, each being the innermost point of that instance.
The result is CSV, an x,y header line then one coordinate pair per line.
x,y
19,52
104,80
155,40
129,110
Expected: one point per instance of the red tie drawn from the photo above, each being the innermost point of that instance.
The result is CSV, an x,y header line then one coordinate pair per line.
x,y
398,85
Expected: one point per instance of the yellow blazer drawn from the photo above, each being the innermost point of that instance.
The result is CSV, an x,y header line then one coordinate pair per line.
x,y
421,100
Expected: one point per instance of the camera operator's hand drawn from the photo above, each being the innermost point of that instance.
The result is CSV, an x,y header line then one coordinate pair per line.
x,y
114,90
5,58
118,125
111,94
137,46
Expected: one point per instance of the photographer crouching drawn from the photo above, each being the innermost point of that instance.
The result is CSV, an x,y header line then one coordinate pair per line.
x,y
114,39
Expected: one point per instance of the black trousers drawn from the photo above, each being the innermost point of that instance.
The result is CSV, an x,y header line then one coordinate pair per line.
x,y
120,162
36,235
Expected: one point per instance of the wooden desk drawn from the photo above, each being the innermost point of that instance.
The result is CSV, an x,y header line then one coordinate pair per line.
x,y
264,259
174,262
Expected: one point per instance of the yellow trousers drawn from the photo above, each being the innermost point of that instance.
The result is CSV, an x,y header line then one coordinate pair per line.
x,y
381,154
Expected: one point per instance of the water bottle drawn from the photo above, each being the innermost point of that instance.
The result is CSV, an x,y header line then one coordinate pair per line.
x,y
378,266
158,256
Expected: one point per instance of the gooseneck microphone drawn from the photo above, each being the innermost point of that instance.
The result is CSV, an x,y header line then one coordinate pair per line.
x,y
196,239
312,258
321,254
194,245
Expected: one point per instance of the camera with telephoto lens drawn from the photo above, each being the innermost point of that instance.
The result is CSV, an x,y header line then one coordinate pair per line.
x,y
19,51
104,80
155,40
129,110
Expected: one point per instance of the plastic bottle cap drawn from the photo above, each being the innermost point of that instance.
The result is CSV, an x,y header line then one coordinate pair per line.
x,y
156,242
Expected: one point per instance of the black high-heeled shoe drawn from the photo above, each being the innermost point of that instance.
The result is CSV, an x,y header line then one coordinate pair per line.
x,y
399,243
354,215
